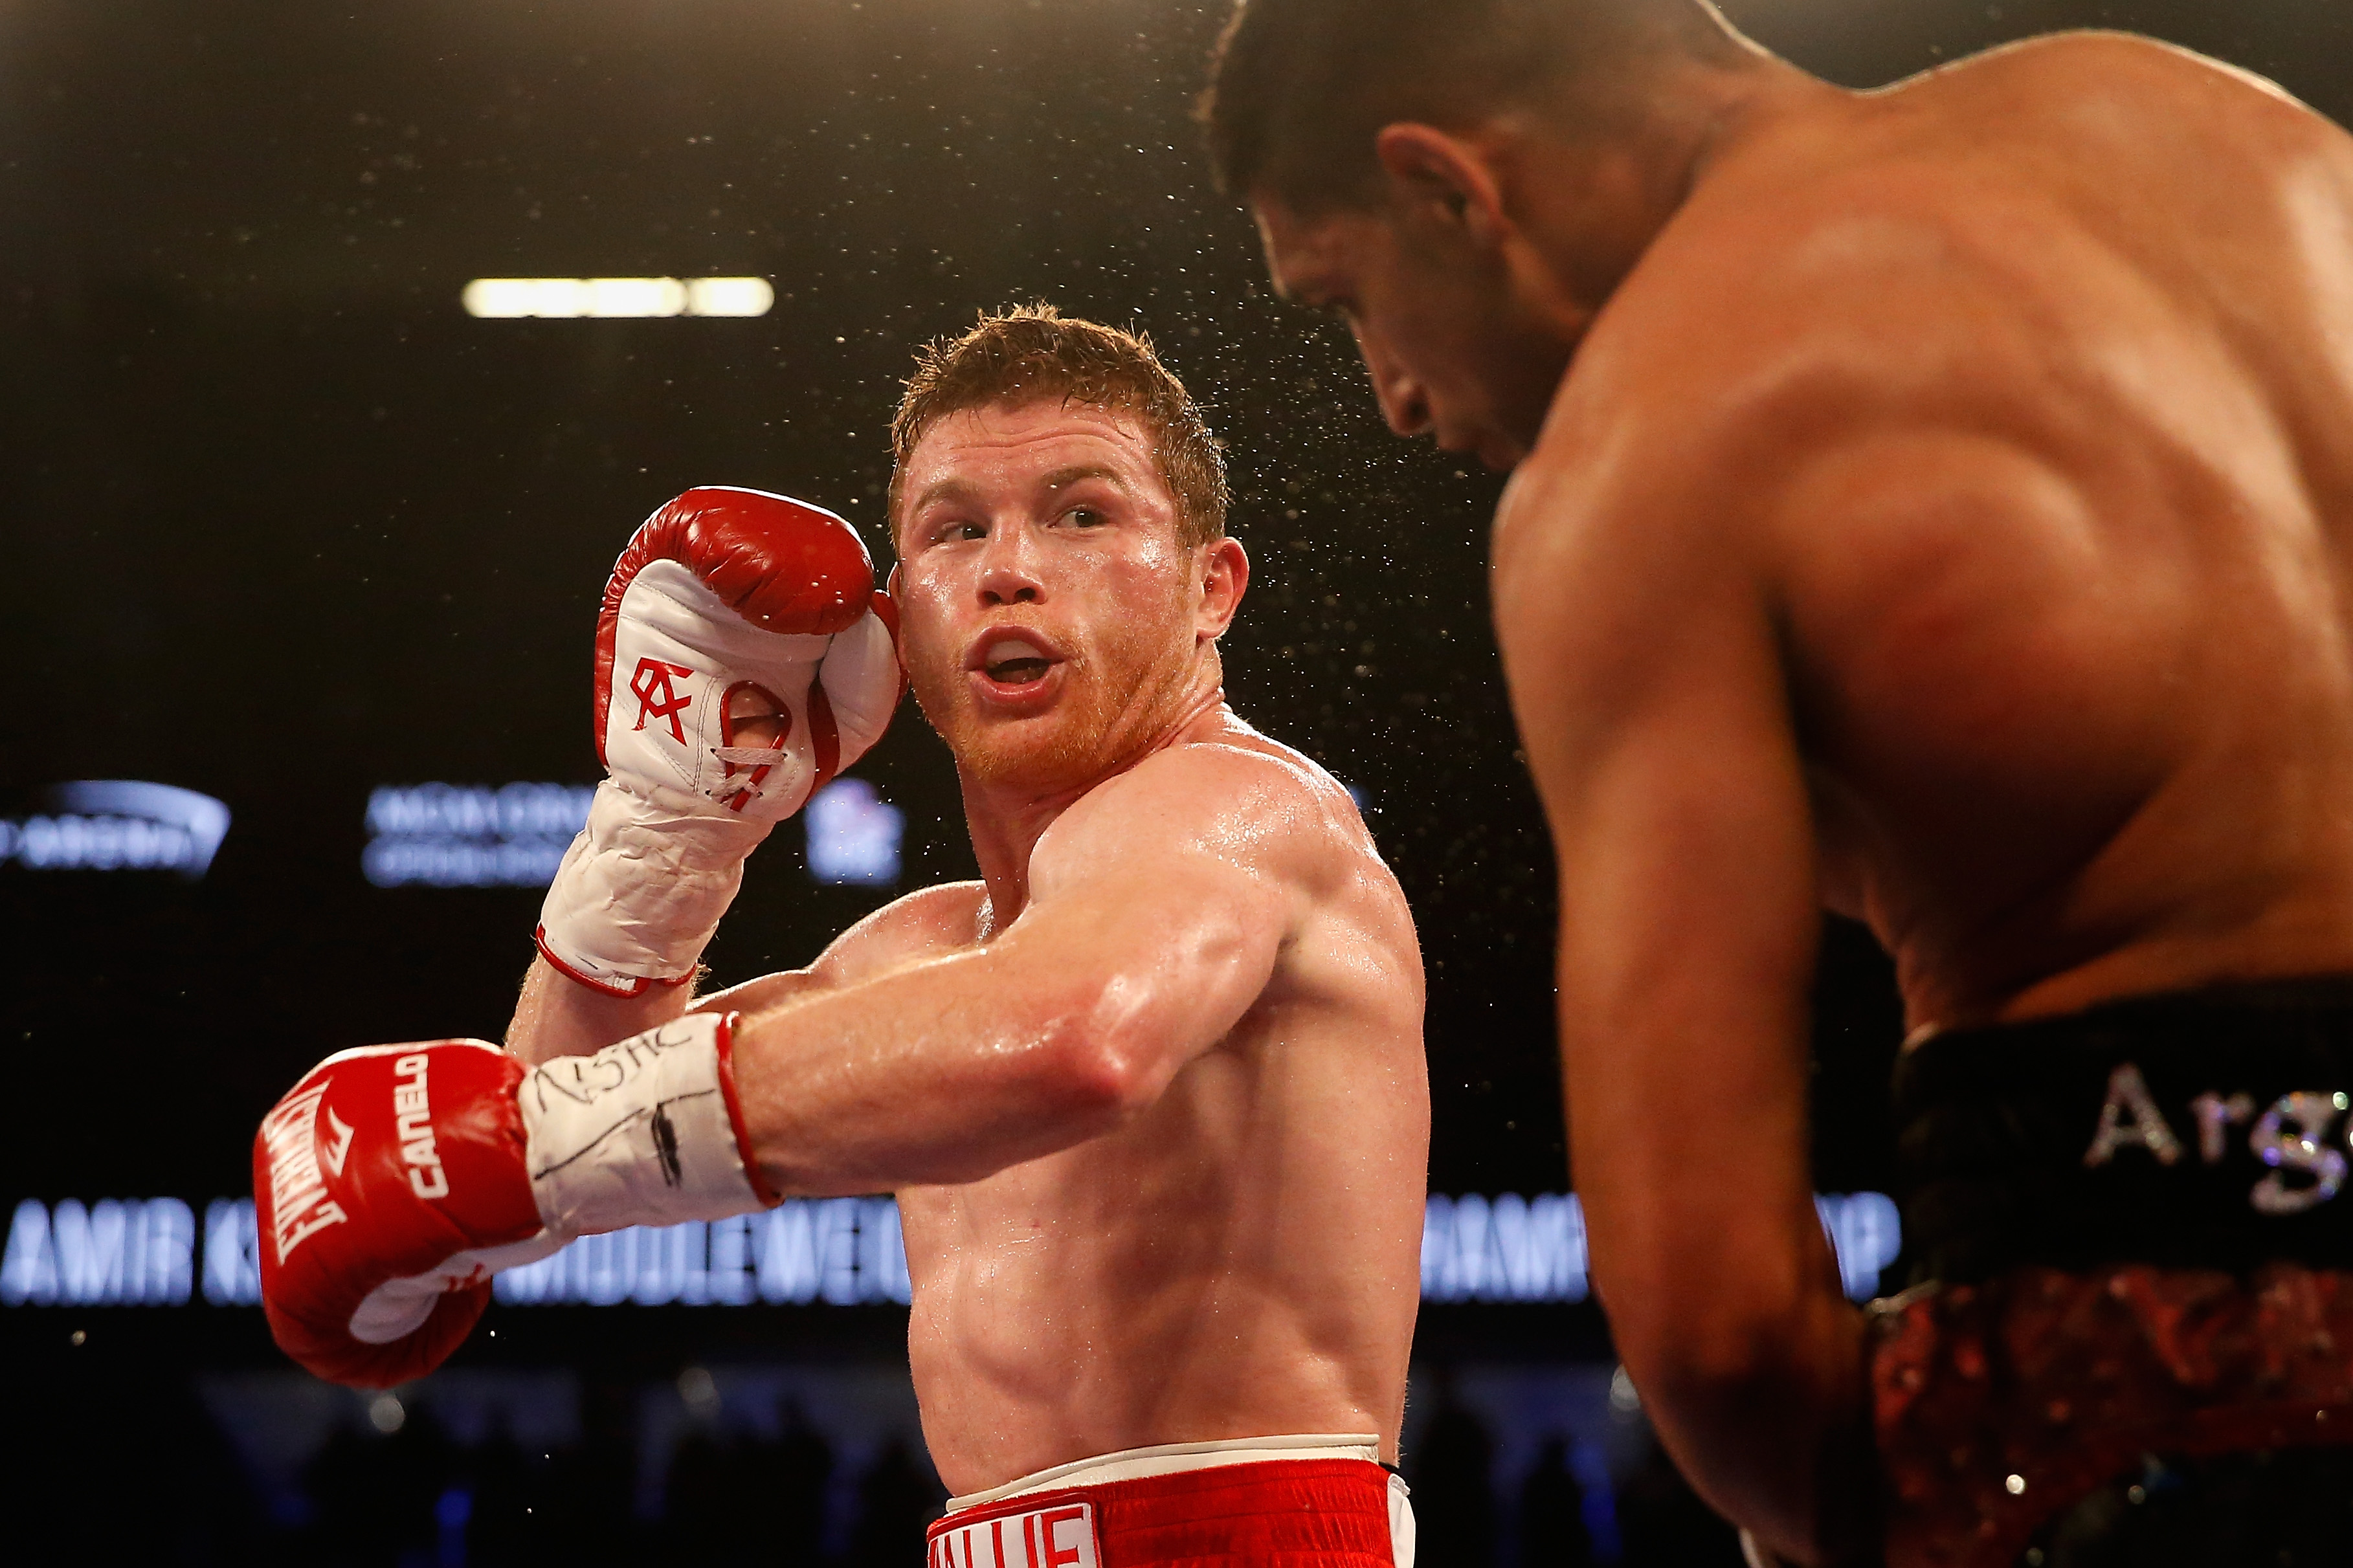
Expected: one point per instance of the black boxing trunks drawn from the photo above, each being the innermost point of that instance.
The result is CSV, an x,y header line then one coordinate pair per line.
x,y
2134,1316
1266,1502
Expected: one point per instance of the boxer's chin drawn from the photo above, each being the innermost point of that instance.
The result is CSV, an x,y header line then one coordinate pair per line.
x,y
1061,748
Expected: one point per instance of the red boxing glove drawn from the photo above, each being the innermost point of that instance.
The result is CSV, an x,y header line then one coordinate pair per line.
x,y
394,1181
725,598
388,1185
779,565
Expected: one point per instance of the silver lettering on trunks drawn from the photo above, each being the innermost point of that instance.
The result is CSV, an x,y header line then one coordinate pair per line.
x,y
2289,1138
2216,1116
2130,1119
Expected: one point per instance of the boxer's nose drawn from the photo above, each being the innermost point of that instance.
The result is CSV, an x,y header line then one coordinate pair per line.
x,y
1403,403
1405,407
1009,574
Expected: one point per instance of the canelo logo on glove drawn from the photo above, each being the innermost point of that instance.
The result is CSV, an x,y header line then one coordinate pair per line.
x,y
656,698
413,1114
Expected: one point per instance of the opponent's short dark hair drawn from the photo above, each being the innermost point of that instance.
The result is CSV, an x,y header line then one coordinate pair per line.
x,y
1299,88
1034,351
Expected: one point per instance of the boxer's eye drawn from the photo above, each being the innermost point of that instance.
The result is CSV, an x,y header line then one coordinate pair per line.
x,y
1084,517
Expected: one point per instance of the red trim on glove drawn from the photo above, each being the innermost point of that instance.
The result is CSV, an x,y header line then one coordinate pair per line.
x,y
783,565
886,610
825,736
634,985
768,1196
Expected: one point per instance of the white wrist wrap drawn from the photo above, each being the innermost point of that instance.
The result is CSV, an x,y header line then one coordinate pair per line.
x,y
643,1132
643,887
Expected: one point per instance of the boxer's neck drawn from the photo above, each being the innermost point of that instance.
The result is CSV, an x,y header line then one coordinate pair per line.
x,y
1006,821
1591,203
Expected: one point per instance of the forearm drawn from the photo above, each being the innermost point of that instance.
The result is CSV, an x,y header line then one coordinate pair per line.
x,y
1771,1423
1708,1249
1726,1306
558,1016
941,1074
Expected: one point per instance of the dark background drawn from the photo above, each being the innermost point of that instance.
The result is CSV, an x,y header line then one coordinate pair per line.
x,y
284,524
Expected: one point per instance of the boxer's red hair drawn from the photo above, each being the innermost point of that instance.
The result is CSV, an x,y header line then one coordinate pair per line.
x,y
1034,351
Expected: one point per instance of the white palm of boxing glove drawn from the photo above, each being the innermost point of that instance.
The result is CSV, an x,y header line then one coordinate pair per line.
x,y
725,601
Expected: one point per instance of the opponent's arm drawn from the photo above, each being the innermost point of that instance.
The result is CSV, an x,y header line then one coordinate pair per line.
x,y
1639,642
1158,907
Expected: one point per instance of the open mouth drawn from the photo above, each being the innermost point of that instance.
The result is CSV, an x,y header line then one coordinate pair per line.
x,y
1011,661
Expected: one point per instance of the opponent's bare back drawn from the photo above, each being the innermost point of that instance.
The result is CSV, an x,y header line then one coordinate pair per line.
x,y
2007,414
1202,1271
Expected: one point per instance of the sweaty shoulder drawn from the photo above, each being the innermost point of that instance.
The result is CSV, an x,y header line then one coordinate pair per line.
x,y
1230,794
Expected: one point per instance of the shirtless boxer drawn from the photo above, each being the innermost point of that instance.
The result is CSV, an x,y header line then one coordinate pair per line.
x,y
1150,1092
1934,503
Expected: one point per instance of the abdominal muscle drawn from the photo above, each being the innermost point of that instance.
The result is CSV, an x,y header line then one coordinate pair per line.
x,y
1220,1268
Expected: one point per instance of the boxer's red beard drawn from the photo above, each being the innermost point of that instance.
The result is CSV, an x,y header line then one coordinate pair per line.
x,y
1120,690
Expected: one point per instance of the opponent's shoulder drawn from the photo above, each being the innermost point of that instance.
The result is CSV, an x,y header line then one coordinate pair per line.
x,y
924,923
1783,288
1806,292
1766,330
2092,71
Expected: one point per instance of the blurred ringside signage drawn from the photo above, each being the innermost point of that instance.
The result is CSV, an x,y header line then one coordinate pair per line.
x,y
118,824
515,835
841,1251
472,835
1514,1248
149,1252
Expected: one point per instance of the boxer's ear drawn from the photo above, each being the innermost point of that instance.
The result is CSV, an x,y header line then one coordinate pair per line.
x,y
1442,177
890,583
1225,577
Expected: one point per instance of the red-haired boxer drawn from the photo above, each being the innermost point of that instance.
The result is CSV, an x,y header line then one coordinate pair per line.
x,y
1151,1093
1936,503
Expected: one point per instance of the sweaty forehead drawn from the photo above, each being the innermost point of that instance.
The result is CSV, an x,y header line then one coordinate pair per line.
x,y
997,449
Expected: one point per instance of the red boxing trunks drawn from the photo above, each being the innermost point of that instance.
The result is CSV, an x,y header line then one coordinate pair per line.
x,y
1242,1504
1998,1405
2136,1320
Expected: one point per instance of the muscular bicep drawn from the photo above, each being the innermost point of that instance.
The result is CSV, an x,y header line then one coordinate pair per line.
x,y
1160,906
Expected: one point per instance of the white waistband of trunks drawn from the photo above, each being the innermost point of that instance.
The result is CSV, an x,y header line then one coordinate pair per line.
x,y
1168,1458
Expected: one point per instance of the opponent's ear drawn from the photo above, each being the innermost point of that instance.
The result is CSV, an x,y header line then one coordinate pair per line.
x,y
1225,577
1441,176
